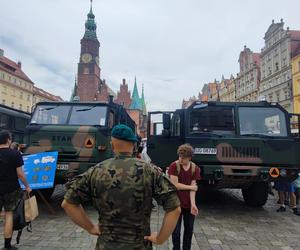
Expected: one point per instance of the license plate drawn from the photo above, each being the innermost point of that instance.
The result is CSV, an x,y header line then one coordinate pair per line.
x,y
205,151
62,166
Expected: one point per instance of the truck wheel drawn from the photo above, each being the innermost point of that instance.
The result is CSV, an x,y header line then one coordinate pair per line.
x,y
256,195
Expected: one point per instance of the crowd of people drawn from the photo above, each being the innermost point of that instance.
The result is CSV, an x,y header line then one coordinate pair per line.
x,y
121,190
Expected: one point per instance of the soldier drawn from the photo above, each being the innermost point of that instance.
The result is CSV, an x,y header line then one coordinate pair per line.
x,y
121,189
11,163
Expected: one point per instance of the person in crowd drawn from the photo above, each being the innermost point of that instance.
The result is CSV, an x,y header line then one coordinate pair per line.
x,y
284,186
121,189
15,146
184,175
11,170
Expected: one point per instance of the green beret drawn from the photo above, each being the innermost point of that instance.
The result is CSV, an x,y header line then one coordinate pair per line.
x,y
123,132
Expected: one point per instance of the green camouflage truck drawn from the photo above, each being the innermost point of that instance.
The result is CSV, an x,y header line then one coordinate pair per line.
x,y
78,131
237,145
15,121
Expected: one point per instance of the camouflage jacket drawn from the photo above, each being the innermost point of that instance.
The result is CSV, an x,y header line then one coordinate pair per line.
x,y
121,190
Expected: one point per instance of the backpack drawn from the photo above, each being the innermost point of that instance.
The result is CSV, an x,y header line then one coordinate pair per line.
x,y
193,166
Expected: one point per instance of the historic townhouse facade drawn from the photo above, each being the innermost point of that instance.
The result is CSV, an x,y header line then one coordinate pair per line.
x,y
296,81
276,69
223,90
231,90
16,88
248,79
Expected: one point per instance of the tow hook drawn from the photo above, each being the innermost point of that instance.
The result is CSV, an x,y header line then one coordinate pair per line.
x,y
218,174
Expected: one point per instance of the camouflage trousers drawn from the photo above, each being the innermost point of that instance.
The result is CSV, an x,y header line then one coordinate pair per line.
x,y
10,201
103,245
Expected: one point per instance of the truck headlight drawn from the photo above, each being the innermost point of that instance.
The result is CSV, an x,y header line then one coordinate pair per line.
x,y
283,172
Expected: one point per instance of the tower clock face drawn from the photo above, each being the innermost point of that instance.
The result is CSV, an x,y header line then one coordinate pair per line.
x,y
97,60
86,58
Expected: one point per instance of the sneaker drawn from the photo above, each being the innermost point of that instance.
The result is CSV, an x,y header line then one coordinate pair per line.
x,y
296,212
281,209
286,203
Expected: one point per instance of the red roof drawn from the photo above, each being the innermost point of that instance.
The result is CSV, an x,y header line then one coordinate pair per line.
x,y
295,34
13,68
46,94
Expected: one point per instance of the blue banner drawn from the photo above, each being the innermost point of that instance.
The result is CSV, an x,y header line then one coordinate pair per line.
x,y
40,169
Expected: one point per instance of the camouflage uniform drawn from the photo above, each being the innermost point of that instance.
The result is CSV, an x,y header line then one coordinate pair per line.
x,y
121,190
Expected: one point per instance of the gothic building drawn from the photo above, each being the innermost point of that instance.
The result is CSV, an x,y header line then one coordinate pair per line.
x,y
90,87
135,105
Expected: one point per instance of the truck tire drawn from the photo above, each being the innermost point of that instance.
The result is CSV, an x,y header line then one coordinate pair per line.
x,y
256,195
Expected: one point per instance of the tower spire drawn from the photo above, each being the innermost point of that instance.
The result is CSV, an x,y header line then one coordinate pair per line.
x,y
90,24
91,9
135,103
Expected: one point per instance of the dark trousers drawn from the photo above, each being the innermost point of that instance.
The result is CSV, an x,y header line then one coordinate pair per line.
x,y
188,222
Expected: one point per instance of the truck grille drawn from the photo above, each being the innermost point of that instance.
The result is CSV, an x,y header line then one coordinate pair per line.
x,y
240,152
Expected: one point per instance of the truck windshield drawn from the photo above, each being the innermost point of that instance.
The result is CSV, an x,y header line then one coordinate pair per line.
x,y
50,114
212,120
80,115
88,115
262,121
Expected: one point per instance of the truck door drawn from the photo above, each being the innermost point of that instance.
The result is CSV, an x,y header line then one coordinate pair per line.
x,y
163,137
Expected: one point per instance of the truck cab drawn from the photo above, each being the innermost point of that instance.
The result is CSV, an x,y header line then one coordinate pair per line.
x,y
78,131
236,145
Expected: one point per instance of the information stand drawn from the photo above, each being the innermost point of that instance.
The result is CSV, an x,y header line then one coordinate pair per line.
x,y
40,171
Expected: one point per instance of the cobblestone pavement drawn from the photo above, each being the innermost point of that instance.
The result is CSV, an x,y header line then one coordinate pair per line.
x,y
224,222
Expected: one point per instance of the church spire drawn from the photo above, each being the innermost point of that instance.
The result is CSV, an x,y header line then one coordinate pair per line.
x,y
90,24
143,103
135,103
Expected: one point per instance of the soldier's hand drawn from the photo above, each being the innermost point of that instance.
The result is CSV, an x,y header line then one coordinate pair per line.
x,y
95,230
152,238
194,187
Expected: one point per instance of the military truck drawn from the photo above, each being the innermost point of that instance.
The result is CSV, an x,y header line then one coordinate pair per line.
x,y
15,121
79,131
237,145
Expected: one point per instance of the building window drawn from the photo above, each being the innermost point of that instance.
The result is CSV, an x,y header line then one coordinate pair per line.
x,y
270,98
3,101
3,76
276,66
299,66
286,94
270,71
86,70
21,95
278,96
20,107
284,61
9,78
28,97
12,104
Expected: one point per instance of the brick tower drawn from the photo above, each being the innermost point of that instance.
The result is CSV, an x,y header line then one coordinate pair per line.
x,y
88,80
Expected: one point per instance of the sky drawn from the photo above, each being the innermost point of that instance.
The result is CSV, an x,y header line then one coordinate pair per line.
x,y
173,47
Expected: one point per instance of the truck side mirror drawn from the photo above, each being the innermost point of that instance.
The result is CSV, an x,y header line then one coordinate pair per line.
x,y
166,121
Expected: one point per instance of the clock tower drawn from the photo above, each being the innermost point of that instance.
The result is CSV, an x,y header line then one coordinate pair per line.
x,y
88,66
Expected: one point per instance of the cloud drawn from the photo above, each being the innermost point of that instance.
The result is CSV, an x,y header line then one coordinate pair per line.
x,y
172,46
